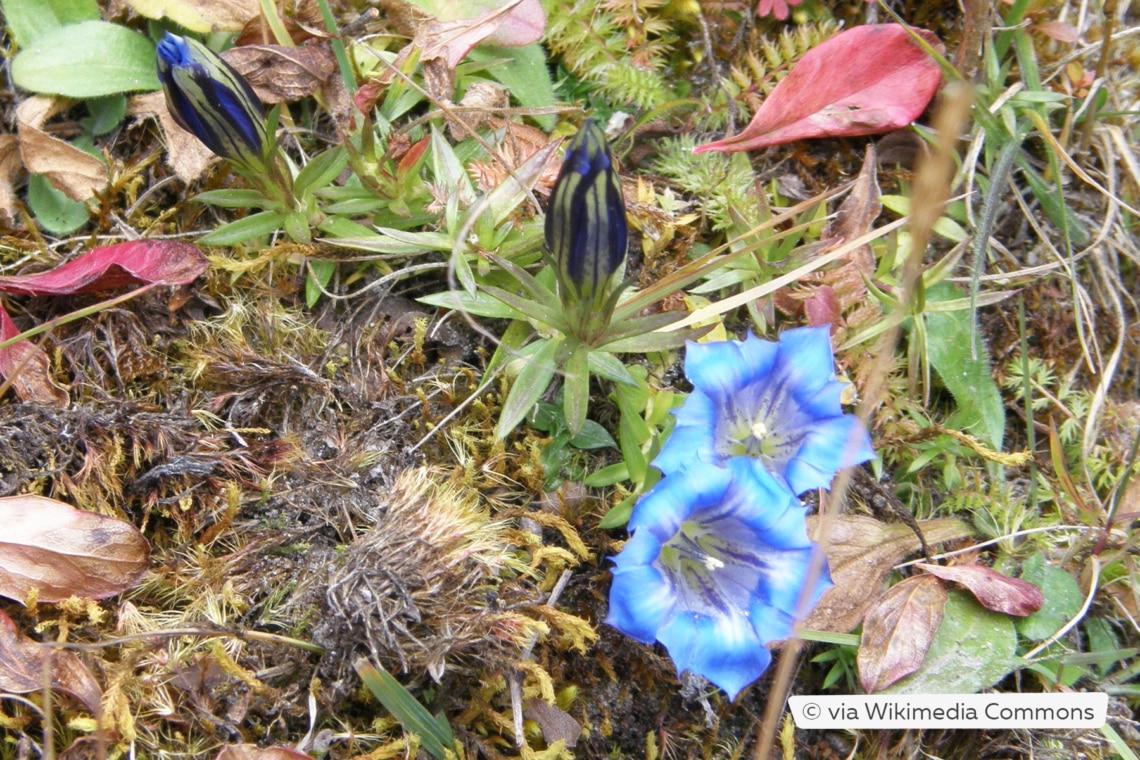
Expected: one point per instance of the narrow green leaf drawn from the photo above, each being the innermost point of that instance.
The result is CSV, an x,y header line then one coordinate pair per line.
x,y
232,198
541,312
322,273
435,735
576,390
480,304
321,171
529,386
607,476
254,225
607,365
388,240
619,515
87,60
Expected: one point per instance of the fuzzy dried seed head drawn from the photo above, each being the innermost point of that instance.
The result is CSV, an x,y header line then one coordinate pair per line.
x,y
419,586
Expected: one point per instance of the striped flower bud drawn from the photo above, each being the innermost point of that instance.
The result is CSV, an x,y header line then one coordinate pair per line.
x,y
211,100
585,224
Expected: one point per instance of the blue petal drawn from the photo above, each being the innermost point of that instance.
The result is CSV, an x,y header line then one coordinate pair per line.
x,y
694,437
725,650
765,505
830,446
805,362
724,368
641,599
676,498
641,549
772,624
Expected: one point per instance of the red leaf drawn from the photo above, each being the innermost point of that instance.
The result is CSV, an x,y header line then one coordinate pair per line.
x,y
993,590
863,81
162,262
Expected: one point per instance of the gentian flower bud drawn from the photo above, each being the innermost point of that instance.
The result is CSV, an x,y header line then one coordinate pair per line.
x,y
212,101
585,224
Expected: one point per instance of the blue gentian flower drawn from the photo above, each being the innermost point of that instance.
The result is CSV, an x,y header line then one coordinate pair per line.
x,y
212,101
715,570
586,229
776,404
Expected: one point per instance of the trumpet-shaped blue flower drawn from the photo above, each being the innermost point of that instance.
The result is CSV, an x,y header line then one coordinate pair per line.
x,y
212,101
777,404
717,567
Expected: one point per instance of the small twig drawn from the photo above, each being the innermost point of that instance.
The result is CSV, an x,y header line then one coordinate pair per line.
x,y
514,679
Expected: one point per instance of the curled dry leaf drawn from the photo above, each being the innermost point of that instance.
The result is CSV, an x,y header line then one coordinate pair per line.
x,y
22,665
28,368
861,552
863,81
57,551
136,262
201,16
279,73
75,173
898,630
185,153
9,169
994,591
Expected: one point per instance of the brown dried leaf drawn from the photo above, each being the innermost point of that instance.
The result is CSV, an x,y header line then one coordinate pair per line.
x,y
28,368
994,591
57,552
22,665
74,172
855,218
898,630
279,73
861,552
10,167
556,724
185,153
304,24
200,16
254,752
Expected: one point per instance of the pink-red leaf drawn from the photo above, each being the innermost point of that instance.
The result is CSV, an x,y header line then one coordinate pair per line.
x,y
898,630
138,262
994,591
28,368
862,81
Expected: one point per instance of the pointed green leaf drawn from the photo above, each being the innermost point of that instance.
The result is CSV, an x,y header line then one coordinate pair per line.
x,y
435,735
321,171
576,390
254,225
604,364
529,386
481,304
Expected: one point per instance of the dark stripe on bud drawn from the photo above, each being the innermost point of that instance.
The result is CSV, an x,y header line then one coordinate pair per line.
x,y
212,101
586,229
